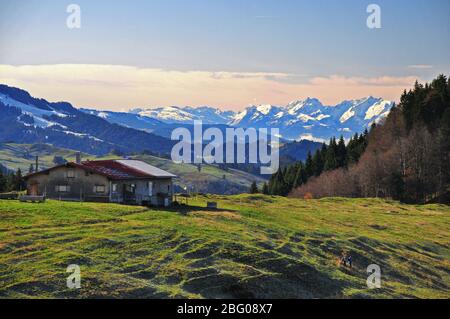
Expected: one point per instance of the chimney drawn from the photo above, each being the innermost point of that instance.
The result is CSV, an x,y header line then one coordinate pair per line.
x,y
36,165
78,158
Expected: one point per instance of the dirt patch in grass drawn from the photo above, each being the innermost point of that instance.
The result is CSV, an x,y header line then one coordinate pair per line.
x,y
218,214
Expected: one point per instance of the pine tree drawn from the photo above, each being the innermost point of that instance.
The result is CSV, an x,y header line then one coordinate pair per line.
x,y
309,166
254,188
330,158
290,175
18,181
2,182
265,189
279,185
318,163
11,182
341,153
397,186
300,177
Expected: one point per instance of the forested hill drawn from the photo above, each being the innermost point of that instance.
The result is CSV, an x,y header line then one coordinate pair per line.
x,y
405,158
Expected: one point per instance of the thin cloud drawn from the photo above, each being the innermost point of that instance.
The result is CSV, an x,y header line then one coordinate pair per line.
x,y
118,87
420,66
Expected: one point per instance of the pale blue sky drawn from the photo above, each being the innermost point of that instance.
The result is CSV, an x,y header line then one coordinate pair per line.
x,y
305,39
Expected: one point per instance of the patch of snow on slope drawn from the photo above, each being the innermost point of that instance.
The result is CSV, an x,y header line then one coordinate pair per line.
x,y
167,113
305,118
347,115
103,115
322,117
294,107
36,113
264,109
310,137
82,135
239,117
376,109
279,115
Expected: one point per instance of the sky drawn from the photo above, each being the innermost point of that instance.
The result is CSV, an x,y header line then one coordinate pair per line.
x,y
223,53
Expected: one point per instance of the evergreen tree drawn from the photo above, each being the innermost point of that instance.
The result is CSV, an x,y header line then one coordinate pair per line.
x,y
341,153
309,166
300,177
2,182
265,189
330,158
318,163
279,186
18,181
290,175
11,182
397,186
254,188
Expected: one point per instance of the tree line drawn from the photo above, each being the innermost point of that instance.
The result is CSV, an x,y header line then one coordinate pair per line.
x,y
405,158
337,154
11,181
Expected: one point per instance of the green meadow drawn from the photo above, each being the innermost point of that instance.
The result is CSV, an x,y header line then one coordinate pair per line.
x,y
253,246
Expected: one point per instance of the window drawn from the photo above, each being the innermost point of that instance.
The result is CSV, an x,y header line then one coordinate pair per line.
x,y
99,189
114,188
71,174
62,188
130,188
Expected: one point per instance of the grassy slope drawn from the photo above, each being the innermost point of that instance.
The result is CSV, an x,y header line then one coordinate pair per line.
x,y
15,156
209,173
255,247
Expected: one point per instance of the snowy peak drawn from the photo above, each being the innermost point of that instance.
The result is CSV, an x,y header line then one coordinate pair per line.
x,y
310,119
306,106
130,120
184,115
307,118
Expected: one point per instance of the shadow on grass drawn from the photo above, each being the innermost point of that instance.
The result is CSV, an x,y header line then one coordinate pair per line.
x,y
186,209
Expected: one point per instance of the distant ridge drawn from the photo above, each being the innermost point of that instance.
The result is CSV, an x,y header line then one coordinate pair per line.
x,y
305,119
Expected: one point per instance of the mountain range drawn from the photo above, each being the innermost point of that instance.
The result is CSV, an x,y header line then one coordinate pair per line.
x,y
305,119
26,119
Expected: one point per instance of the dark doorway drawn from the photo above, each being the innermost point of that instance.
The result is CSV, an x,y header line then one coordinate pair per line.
x,y
129,193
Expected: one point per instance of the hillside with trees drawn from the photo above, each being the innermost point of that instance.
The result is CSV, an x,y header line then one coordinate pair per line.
x,y
405,158
337,154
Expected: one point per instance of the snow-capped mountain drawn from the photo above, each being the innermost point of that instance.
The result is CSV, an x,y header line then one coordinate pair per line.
x,y
29,119
304,119
310,119
130,120
25,119
186,115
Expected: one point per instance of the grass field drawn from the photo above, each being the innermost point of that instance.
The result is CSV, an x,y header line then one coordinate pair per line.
x,y
253,247
14,156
